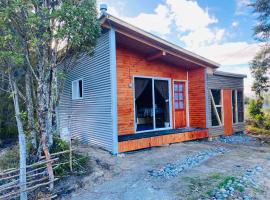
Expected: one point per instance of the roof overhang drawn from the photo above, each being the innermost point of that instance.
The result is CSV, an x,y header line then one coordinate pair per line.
x,y
228,74
152,46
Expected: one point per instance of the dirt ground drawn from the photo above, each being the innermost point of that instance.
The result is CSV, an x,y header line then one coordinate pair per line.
x,y
127,176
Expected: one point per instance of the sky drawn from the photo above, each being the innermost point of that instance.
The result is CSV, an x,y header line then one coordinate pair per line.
x,y
220,30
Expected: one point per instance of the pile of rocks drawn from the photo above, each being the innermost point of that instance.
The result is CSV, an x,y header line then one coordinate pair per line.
x,y
236,139
235,187
175,168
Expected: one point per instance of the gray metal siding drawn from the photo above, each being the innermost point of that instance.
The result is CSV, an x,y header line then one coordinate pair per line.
x,y
222,82
90,120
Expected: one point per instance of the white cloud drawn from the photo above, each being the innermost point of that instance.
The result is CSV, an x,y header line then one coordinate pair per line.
x,y
234,24
157,22
232,53
189,16
242,7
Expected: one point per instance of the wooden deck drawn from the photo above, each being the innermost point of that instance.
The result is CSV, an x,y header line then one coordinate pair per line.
x,y
157,138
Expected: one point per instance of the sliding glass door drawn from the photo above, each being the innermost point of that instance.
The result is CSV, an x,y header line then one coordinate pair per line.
x,y
152,104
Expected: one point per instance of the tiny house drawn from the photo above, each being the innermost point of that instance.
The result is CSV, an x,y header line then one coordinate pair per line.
x,y
138,90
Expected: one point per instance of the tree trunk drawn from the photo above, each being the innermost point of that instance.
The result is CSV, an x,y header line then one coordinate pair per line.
x,y
22,143
30,109
43,120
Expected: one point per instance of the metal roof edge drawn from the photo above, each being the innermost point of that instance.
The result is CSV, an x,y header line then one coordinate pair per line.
x,y
221,73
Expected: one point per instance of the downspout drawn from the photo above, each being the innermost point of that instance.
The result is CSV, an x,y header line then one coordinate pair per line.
x,y
114,90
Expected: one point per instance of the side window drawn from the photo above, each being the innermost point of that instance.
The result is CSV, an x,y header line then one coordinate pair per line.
x,y
216,107
238,106
77,89
179,95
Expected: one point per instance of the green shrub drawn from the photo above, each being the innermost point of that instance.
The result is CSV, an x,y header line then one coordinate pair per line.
x,y
10,158
255,108
79,164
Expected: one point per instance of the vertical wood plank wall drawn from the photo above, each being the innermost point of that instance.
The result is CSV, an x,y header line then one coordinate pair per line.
x,y
131,63
197,104
227,104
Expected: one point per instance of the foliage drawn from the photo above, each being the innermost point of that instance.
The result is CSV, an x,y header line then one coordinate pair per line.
x,y
255,108
259,67
10,158
262,29
79,164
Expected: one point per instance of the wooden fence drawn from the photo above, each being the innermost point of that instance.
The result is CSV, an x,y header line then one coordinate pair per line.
x,y
36,177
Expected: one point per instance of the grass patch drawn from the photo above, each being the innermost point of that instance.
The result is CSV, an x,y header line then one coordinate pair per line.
x,y
199,187
226,180
259,131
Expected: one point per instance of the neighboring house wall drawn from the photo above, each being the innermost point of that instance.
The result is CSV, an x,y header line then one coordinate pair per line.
x,y
223,82
90,119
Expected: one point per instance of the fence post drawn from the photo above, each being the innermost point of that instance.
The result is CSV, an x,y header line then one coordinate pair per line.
x,y
23,193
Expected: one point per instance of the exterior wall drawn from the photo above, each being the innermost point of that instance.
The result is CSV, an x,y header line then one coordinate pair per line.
x,y
197,100
223,82
90,120
131,63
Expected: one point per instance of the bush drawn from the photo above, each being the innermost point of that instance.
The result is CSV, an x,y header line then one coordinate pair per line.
x,y
10,158
79,164
255,108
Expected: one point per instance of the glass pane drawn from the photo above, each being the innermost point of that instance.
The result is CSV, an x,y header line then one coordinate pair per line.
x,y
240,106
181,87
214,119
176,87
219,110
144,104
162,103
181,105
80,89
176,96
217,96
176,105
181,96
233,106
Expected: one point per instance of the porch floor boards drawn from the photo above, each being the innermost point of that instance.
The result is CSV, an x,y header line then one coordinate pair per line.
x,y
157,138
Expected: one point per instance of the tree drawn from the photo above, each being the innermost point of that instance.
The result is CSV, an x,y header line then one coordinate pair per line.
x,y
261,62
48,34
262,29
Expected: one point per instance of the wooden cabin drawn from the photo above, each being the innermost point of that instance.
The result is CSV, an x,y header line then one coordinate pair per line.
x,y
138,91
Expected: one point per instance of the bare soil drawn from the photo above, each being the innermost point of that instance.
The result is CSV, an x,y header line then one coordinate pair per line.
x,y
127,177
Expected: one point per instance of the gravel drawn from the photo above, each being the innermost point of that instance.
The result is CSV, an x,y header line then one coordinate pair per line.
x,y
236,139
175,168
235,188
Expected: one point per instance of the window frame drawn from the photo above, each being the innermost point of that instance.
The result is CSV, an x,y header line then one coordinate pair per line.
x,y
178,92
77,97
236,106
220,119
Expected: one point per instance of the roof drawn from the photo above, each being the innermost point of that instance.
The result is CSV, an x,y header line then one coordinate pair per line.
x,y
132,32
229,74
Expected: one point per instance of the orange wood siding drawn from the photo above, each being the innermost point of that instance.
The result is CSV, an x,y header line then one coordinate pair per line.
x,y
197,106
132,145
227,104
129,64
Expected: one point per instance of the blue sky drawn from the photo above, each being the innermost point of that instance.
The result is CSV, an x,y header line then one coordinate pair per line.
x,y
220,30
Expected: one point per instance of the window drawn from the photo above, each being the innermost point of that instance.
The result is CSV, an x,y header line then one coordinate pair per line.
x,y
216,107
77,89
179,97
237,106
